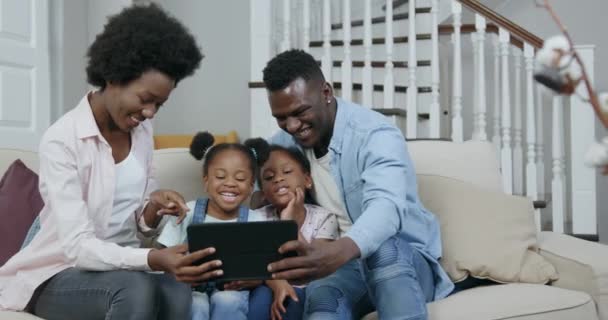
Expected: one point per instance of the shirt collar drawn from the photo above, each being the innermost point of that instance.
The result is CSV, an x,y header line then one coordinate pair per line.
x,y
335,143
86,126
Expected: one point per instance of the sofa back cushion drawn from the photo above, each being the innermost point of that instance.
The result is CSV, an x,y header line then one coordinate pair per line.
x,y
20,202
176,169
485,234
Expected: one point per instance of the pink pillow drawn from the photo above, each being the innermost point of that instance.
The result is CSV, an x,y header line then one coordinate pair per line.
x,y
20,203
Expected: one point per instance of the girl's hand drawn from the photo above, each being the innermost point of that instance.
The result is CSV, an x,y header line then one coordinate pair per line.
x,y
177,261
240,285
281,289
295,208
166,202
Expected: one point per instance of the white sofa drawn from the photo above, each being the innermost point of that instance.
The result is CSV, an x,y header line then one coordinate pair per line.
x,y
581,292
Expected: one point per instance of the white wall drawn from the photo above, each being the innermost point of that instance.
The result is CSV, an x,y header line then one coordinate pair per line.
x,y
216,98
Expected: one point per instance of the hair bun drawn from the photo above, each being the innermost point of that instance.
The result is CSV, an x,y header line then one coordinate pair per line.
x,y
201,142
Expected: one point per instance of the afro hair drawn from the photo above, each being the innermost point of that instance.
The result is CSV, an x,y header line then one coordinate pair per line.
x,y
139,39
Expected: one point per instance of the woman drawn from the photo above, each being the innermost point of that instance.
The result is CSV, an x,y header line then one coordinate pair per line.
x,y
99,193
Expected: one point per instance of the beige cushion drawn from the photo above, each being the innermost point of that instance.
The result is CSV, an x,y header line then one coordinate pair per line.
x,y
582,266
177,170
9,315
513,301
454,160
485,234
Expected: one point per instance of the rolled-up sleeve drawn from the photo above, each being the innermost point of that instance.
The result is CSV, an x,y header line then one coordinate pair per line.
x,y
61,190
383,162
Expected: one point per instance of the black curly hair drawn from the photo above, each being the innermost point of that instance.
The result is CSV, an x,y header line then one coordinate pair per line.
x,y
289,66
263,151
139,39
202,147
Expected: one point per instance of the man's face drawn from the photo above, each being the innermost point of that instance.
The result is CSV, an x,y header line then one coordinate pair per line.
x,y
303,110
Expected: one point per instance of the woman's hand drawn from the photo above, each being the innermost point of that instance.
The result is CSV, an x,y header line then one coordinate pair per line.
x,y
165,202
240,285
179,262
281,289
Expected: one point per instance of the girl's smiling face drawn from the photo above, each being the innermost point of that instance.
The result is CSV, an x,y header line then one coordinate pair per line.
x,y
228,182
280,176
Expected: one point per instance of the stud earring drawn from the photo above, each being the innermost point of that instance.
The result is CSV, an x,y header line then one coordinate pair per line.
x,y
328,101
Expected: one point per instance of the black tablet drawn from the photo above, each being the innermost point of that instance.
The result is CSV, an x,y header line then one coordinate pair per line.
x,y
245,248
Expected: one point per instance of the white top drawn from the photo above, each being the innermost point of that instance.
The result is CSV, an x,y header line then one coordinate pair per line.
x,y
129,188
174,234
325,191
319,222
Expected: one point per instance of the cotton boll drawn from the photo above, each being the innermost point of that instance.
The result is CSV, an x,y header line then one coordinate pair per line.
x,y
558,42
597,154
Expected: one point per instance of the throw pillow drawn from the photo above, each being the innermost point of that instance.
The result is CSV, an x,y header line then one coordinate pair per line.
x,y
20,202
485,234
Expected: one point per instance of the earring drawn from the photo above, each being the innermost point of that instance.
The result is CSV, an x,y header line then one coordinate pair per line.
x,y
328,101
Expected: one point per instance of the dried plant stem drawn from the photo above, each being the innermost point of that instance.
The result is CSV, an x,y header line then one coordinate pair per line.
x,y
595,103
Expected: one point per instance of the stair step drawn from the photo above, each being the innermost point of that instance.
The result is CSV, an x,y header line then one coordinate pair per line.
x,y
380,87
378,20
381,64
400,113
359,42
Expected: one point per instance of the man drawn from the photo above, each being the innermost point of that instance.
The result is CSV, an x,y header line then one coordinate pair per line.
x,y
387,256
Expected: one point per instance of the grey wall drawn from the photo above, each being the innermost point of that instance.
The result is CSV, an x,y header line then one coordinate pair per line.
x,y
216,98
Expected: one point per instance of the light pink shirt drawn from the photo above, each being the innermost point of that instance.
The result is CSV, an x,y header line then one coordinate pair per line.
x,y
77,185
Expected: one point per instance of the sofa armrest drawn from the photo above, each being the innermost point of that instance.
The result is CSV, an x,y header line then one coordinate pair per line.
x,y
582,265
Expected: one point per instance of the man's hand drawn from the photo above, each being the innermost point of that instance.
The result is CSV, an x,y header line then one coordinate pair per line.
x,y
179,262
281,289
165,202
314,261
240,285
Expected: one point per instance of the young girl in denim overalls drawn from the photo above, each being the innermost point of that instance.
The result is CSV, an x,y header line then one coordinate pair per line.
x,y
229,171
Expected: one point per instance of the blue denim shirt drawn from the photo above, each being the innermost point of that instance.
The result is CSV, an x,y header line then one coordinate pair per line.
x,y
375,175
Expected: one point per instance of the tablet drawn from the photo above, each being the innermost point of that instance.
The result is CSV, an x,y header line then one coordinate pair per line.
x,y
245,248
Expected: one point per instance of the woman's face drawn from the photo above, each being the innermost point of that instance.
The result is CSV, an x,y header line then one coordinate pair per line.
x,y
281,175
138,100
229,181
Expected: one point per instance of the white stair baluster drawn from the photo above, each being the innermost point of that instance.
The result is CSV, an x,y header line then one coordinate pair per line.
x,y
389,82
285,42
558,183
412,64
326,62
518,155
457,135
475,85
435,110
347,64
531,170
480,25
540,146
506,155
367,87
306,25
496,115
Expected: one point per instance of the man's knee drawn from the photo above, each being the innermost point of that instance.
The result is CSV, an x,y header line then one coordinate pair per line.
x,y
393,258
323,298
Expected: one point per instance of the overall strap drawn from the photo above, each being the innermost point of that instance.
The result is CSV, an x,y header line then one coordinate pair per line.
x,y
243,214
200,210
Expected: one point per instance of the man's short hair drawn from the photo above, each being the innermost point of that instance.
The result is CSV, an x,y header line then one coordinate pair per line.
x,y
289,66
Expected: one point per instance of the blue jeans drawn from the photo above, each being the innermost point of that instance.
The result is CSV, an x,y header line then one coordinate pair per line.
x,y
261,299
396,280
223,305
109,295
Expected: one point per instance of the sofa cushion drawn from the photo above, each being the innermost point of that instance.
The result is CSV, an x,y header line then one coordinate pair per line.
x,y
20,202
485,234
11,315
513,301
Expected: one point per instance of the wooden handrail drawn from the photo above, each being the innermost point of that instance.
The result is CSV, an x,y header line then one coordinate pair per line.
x,y
470,28
514,29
